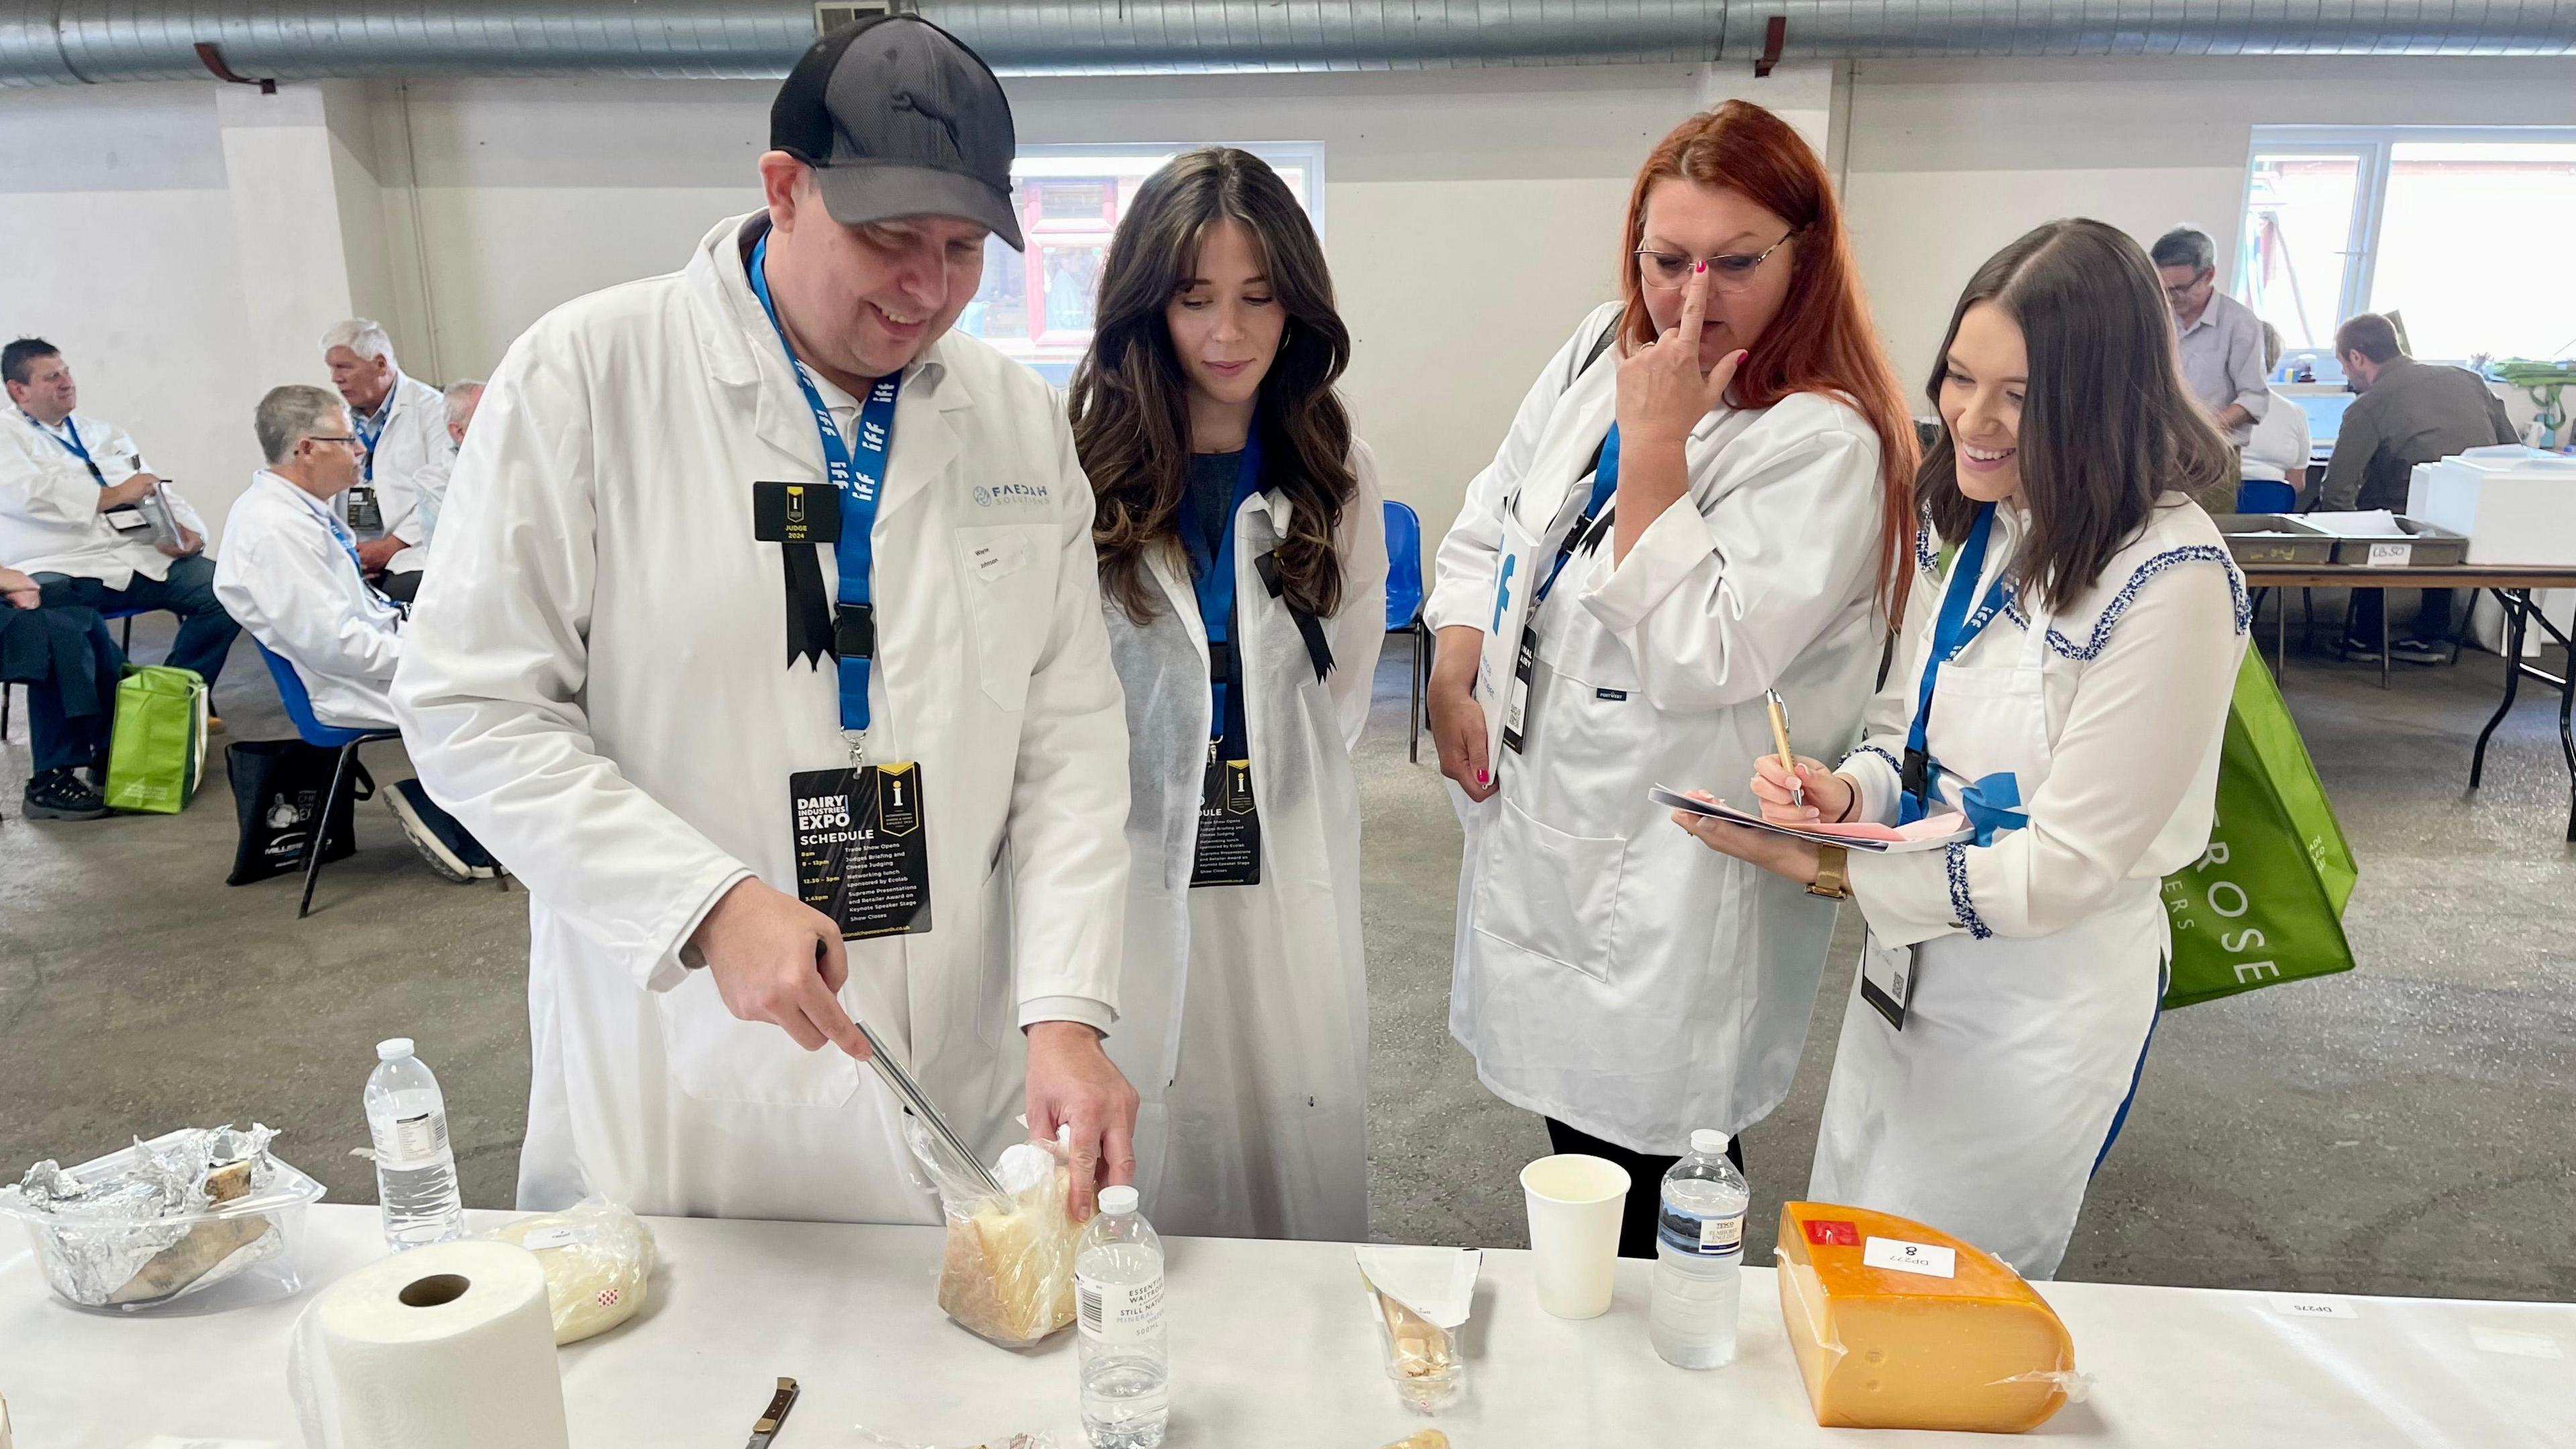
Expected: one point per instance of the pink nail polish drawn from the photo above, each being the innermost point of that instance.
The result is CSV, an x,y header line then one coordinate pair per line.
x,y
1698,267
1482,776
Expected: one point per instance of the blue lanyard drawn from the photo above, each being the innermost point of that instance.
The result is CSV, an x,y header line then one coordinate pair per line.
x,y
860,479
372,428
1605,482
1953,630
1212,576
72,445
348,544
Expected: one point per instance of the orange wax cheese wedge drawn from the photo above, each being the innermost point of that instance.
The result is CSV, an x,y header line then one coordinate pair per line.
x,y
1901,1326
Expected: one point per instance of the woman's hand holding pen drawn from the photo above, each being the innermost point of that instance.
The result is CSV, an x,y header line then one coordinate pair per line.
x,y
1829,797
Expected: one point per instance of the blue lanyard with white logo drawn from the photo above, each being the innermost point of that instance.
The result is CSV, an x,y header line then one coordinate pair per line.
x,y
860,479
1951,632
72,445
1605,483
1212,576
372,428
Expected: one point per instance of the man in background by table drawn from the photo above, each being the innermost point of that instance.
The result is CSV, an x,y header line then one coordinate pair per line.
x,y
2220,338
73,490
402,423
2408,412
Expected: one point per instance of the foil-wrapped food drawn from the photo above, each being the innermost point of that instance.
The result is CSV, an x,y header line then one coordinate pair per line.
x,y
163,1219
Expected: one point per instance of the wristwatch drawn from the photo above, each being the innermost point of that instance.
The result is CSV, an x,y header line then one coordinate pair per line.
x,y
1830,881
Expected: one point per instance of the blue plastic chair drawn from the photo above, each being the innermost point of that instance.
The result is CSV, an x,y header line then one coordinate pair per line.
x,y
1404,605
2265,495
299,709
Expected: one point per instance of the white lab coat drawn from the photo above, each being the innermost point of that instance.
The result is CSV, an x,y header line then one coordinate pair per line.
x,y
49,517
596,682
412,460
2036,986
1611,972
286,577
1244,1020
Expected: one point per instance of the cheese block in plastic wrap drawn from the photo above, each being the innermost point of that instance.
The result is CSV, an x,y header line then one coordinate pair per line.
x,y
598,1259
1007,1270
1900,1326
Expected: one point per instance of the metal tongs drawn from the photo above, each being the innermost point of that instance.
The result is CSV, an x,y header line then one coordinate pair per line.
x,y
918,1103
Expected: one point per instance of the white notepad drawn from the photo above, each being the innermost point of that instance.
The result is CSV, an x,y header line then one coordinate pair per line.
x,y
1947,828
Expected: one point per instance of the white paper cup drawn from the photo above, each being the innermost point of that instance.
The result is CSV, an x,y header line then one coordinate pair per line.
x,y
1574,1207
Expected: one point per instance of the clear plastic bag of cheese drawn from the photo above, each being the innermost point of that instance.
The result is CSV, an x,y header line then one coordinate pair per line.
x,y
1006,1273
598,1259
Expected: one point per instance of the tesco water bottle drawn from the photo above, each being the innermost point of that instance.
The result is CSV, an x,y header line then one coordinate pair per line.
x,y
415,1168
1118,1295
1699,1257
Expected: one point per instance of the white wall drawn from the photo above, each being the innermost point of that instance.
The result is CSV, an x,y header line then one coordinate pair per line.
x,y
121,251
1950,160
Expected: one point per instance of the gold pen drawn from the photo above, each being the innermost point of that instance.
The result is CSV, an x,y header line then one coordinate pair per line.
x,y
1780,737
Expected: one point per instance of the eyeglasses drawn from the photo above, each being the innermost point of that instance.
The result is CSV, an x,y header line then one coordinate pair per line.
x,y
329,438
1729,272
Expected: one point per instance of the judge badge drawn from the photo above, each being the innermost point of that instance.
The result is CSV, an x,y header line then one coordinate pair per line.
x,y
1887,975
1229,845
862,854
365,514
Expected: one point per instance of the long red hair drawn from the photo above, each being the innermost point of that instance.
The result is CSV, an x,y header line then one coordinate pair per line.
x,y
1822,340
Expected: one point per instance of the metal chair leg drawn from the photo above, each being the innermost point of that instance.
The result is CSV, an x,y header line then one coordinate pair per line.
x,y
126,641
7,692
316,843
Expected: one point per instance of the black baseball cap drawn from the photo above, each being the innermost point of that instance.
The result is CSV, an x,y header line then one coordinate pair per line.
x,y
898,118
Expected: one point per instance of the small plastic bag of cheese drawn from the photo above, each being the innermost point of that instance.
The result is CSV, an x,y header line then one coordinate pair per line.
x,y
598,1259
1422,1297
1006,1273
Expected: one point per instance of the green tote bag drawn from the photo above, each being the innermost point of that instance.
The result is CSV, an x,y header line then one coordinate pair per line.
x,y
158,752
2264,903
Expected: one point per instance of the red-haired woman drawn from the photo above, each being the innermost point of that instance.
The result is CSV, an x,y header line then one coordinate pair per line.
x,y
1706,495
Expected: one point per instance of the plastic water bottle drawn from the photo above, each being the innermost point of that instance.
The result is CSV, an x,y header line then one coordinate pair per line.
x,y
415,1168
1699,1257
1118,1292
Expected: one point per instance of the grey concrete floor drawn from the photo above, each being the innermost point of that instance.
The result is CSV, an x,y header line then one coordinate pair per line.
x,y
2401,1129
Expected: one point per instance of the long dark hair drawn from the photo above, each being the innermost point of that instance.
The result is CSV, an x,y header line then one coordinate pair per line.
x,y
1130,399
2107,426
1822,340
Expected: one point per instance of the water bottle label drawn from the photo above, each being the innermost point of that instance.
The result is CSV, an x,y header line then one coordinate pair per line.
x,y
1118,1313
1714,1237
415,1141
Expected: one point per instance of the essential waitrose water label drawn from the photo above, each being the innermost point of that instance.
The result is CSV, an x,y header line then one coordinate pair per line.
x,y
415,1141
1118,1313
1715,1236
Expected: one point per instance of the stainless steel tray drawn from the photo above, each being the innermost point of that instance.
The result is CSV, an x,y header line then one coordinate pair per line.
x,y
2273,538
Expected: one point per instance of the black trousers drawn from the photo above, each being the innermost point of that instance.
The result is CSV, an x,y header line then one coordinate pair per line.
x,y
1645,1182
2432,621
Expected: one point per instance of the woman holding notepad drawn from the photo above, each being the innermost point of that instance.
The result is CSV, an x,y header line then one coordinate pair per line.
x,y
2057,699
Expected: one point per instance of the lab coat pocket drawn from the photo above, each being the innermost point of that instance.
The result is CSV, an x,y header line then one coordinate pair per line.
x,y
1551,894
1008,572
716,1056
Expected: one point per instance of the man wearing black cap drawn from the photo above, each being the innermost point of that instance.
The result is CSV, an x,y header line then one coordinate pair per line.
x,y
767,621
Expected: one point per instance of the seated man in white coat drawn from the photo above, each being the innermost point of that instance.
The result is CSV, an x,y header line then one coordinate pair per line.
x,y
290,574
74,491
766,642
402,424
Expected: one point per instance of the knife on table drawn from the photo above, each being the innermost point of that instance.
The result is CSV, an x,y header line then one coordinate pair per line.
x,y
766,1428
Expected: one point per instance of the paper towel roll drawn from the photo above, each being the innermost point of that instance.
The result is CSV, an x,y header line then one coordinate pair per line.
x,y
450,1346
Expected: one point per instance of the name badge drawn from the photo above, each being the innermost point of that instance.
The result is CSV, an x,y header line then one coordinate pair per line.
x,y
863,849
796,513
1887,975
127,520
1516,707
365,514
1229,843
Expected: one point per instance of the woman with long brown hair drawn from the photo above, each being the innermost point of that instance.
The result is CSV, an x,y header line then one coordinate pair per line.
x,y
1243,568
1704,498
2081,624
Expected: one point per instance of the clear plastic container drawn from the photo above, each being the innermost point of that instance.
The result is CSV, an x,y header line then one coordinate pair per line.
x,y
416,1193
232,1254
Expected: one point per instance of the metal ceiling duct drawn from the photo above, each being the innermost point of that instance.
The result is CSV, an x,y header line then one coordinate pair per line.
x,y
68,42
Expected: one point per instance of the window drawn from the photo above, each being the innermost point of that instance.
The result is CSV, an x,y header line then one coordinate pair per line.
x,y
2461,232
1037,306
